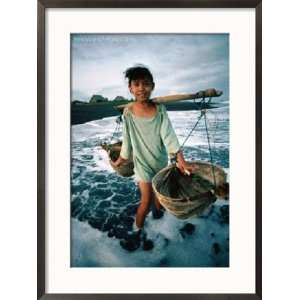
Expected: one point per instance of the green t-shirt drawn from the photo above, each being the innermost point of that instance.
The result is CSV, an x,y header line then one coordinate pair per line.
x,y
149,141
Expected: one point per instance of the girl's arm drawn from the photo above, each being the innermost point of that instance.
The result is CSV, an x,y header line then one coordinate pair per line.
x,y
185,167
168,134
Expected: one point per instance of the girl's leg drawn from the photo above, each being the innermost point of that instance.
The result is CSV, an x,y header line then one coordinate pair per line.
x,y
143,209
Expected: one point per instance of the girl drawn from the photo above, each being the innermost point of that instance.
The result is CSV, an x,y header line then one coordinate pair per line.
x,y
149,136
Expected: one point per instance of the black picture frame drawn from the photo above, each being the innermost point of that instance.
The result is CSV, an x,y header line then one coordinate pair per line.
x,y
42,5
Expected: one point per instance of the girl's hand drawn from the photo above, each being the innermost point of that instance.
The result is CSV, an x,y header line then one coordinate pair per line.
x,y
118,162
114,163
186,168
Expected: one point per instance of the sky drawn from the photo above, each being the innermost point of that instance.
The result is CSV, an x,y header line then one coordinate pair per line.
x,y
180,63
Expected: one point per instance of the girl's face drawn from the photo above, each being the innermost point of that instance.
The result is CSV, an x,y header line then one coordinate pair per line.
x,y
141,89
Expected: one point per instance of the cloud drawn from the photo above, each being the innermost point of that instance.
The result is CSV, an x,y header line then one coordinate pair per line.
x,y
80,95
179,62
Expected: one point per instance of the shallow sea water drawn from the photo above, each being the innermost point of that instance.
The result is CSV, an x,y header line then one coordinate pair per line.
x,y
104,204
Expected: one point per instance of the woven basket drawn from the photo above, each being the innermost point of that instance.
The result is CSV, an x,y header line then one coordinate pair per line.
x,y
113,151
187,196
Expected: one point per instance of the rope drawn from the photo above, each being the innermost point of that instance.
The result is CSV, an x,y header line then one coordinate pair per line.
x,y
203,113
117,128
210,152
174,158
199,118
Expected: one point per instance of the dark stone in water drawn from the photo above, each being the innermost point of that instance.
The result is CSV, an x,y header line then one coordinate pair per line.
x,y
100,192
101,186
126,220
79,188
111,233
188,228
76,206
113,210
75,211
75,174
131,243
84,215
120,199
163,262
95,177
122,215
112,177
101,214
111,222
96,223
86,156
107,226
99,178
104,204
212,234
131,209
122,189
216,248
120,232
148,245
99,210
114,219
81,168
91,203
224,214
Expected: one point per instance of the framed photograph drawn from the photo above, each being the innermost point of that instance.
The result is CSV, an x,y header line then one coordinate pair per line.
x,y
149,149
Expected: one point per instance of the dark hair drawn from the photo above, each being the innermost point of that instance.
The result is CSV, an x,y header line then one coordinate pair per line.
x,y
138,72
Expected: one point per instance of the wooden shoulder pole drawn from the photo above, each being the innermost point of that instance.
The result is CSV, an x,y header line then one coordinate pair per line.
x,y
180,97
